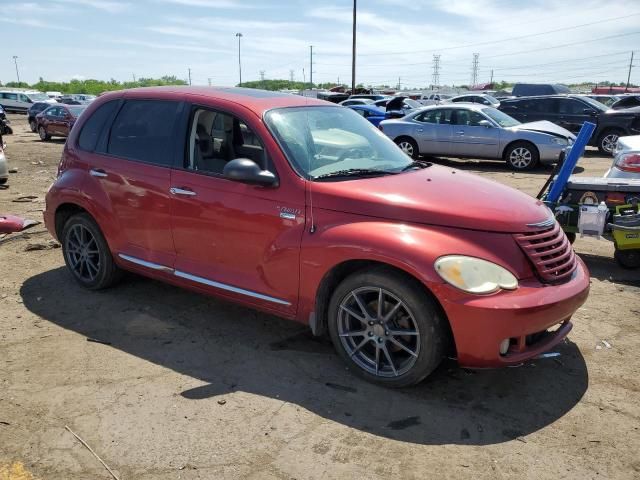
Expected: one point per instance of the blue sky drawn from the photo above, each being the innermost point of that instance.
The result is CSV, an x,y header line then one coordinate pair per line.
x,y
527,40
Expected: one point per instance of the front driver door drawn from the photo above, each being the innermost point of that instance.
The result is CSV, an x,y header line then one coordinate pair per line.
x,y
470,139
231,238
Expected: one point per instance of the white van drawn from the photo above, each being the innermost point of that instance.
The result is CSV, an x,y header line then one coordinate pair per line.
x,y
20,101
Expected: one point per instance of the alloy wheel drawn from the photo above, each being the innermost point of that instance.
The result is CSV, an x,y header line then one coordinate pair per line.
x,y
82,253
378,331
43,133
406,147
609,142
520,157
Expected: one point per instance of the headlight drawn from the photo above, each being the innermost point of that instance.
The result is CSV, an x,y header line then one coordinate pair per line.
x,y
560,141
474,275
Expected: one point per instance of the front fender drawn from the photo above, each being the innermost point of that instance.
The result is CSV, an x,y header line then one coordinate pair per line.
x,y
412,248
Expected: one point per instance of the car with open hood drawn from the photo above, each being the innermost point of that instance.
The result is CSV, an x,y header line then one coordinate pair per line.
x,y
302,209
477,131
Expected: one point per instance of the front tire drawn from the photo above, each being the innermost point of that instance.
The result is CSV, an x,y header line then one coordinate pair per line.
x,y
33,125
386,328
87,254
608,140
628,258
44,136
408,146
522,156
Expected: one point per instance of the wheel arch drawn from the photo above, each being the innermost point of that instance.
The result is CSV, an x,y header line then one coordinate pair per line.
x,y
335,275
64,212
519,140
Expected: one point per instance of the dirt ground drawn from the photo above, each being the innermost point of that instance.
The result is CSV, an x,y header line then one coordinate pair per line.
x,y
188,387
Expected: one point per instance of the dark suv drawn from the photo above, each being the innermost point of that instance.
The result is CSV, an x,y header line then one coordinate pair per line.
x,y
571,111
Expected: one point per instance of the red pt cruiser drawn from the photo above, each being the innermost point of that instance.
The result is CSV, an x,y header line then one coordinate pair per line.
x,y
303,209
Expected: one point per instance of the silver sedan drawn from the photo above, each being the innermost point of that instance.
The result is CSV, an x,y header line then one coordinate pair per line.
x,y
626,162
477,131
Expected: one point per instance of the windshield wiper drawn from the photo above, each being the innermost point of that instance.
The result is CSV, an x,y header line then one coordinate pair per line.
x,y
354,172
417,164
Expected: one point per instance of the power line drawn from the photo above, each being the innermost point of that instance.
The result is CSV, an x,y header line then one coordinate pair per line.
x,y
508,39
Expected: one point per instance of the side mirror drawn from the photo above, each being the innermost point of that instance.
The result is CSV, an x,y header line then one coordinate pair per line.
x,y
485,123
247,171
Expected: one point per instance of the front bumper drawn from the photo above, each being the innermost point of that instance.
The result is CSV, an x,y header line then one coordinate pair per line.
x,y
552,153
481,323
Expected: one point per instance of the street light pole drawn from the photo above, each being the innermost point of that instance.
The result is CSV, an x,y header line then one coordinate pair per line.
x,y
239,35
15,60
353,53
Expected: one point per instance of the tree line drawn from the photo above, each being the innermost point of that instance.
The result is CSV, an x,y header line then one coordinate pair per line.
x,y
95,87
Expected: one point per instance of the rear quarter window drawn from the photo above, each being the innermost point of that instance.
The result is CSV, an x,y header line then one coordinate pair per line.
x,y
143,130
93,127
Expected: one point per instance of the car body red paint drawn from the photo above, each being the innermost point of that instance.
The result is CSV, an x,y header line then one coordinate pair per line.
x,y
259,239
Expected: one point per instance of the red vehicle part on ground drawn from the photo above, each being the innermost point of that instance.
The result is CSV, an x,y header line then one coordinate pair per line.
x,y
397,266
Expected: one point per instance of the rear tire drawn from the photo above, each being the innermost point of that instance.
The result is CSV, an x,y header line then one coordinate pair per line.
x,y
87,254
33,125
370,338
522,156
408,146
44,136
3,181
607,141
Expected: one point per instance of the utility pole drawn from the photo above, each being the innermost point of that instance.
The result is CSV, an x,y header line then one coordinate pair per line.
x,y
474,70
491,82
353,51
134,77
311,66
628,76
435,82
189,76
399,83
239,35
209,80
15,60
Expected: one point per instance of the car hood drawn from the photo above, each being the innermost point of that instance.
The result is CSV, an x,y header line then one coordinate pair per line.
x,y
436,196
395,103
544,126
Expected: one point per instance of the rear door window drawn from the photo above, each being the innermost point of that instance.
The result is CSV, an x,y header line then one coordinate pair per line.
x,y
569,106
93,127
143,130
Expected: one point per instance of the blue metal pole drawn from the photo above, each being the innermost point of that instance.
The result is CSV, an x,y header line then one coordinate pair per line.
x,y
576,151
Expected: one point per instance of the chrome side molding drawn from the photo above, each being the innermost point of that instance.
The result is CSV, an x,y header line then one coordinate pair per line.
x,y
202,280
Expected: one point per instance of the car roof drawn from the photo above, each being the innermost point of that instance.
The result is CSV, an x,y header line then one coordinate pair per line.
x,y
467,106
258,101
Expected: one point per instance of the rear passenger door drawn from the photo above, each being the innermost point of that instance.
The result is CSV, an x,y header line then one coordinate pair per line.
x,y
231,238
433,131
131,168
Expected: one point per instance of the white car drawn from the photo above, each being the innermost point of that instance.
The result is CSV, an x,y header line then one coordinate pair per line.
x,y
20,101
4,169
434,99
626,160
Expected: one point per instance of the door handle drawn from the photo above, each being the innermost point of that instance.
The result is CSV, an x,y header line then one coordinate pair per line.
x,y
182,191
461,132
421,130
97,172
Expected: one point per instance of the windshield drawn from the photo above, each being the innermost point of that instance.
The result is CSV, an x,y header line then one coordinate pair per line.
x,y
597,105
76,110
412,103
319,141
38,97
500,118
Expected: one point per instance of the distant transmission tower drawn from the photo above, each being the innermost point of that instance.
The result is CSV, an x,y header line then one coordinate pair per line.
x,y
291,76
474,69
435,82
262,75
